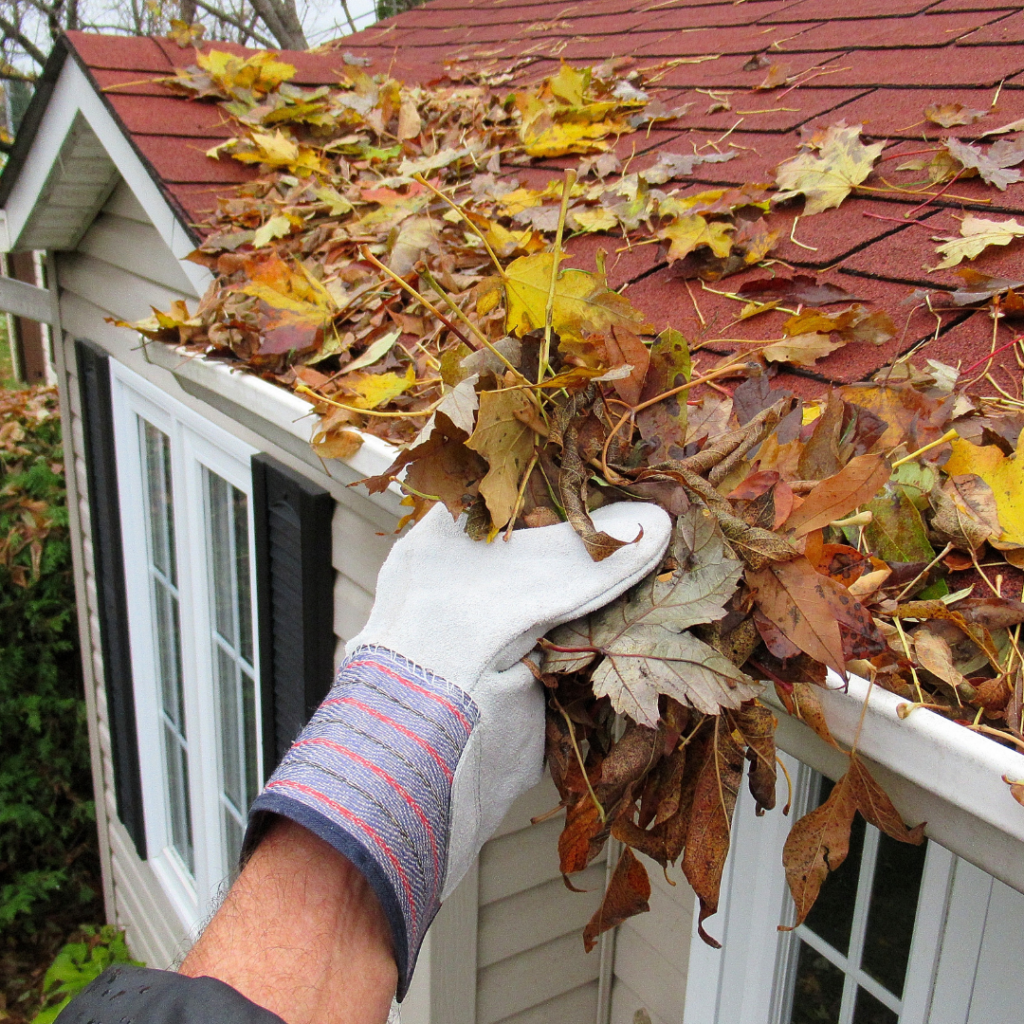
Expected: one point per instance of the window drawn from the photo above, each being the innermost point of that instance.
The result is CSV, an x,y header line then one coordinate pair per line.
x,y
186,512
847,963
869,951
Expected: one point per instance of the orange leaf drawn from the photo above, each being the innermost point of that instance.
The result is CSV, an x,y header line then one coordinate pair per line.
x,y
627,895
856,483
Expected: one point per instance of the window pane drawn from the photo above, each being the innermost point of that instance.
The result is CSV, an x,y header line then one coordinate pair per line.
x,y
240,506
817,989
162,572
221,551
893,908
230,729
178,799
232,643
870,1011
157,446
832,915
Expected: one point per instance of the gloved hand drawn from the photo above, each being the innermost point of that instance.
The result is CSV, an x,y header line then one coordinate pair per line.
x,y
434,727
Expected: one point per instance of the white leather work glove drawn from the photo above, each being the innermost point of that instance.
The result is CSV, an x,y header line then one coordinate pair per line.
x,y
434,726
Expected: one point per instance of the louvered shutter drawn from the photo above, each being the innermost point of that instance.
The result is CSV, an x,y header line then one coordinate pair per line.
x,y
295,597
105,518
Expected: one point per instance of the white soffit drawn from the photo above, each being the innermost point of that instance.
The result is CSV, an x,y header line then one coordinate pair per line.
x,y
76,157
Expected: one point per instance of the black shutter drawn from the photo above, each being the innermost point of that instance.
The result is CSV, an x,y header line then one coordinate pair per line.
x,y
295,598
105,516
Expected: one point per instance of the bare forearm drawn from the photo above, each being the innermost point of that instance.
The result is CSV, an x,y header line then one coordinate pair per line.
x,y
302,934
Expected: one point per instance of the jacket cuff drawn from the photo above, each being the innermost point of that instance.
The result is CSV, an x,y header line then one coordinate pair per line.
x,y
371,774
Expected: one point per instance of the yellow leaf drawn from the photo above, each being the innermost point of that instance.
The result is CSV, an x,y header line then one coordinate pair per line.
x,y
277,150
1006,478
549,140
582,302
828,177
276,227
978,233
373,390
507,445
686,233
285,287
570,85
595,218
261,73
185,34
801,350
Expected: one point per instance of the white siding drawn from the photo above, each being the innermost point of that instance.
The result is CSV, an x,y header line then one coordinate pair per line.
x,y
651,953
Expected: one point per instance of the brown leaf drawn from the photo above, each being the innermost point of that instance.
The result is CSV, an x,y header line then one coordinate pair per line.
x,y
800,289
793,596
624,347
710,826
583,836
856,483
507,444
756,724
820,457
628,893
950,115
817,844
803,703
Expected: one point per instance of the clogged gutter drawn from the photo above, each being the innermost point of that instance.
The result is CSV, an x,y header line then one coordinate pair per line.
x,y
388,265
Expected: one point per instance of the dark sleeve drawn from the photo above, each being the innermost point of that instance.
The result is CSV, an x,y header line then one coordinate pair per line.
x,y
138,995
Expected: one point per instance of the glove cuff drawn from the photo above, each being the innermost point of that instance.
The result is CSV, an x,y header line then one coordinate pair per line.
x,y
371,774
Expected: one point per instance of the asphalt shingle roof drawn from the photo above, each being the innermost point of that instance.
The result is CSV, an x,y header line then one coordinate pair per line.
x,y
876,62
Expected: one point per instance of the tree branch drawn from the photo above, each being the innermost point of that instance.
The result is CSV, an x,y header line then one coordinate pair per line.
x,y
230,19
282,22
348,15
12,32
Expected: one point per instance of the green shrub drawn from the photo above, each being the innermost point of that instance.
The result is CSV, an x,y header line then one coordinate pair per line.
x,y
47,818
389,8
80,963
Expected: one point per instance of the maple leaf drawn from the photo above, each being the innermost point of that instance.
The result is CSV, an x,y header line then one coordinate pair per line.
x,y
643,636
801,350
977,234
506,442
827,177
275,150
583,304
671,166
376,389
261,73
949,115
993,165
185,34
686,233
1005,475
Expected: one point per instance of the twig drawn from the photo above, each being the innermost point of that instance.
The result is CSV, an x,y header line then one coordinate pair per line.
x,y
910,586
549,308
579,758
993,354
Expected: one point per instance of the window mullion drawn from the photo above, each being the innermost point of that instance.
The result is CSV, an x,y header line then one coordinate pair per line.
x,y
861,907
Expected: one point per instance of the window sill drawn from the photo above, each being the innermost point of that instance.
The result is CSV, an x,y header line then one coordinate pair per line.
x,y
276,414
934,770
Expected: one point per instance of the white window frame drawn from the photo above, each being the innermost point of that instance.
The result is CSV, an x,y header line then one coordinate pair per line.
x,y
745,982
195,444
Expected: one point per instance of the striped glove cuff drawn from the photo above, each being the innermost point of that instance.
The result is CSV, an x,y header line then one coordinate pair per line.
x,y
372,774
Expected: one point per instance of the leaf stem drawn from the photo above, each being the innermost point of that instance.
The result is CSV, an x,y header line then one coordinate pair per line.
x,y
579,758
469,223
545,351
949,435
520,495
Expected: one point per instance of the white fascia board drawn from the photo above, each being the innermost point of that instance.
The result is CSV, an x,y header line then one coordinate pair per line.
x,y
935,771
278,414
73,94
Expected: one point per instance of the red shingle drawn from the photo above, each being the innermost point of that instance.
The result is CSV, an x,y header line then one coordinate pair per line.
x,y
964,67
889,33
1007,30
718,15
130,53
745,39
899,113
822,10
759,112
908,254
128,83
180,159
167,115
973,5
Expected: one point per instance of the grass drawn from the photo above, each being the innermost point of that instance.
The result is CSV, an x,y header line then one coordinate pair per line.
x,y
7,379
